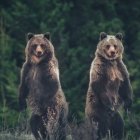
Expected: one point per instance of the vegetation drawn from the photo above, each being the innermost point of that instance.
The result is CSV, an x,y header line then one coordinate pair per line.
x,y
75,26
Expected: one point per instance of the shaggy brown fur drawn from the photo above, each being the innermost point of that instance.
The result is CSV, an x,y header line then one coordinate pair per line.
x,y
40,85
109,87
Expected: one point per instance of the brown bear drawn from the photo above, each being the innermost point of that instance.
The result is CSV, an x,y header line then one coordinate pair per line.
x,y
109,87
40,86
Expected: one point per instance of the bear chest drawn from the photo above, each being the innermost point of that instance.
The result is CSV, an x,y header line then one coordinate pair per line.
x,y
113,74
114,78
41,76
42,84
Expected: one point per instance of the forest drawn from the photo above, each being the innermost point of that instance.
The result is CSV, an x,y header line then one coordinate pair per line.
x,y
75,26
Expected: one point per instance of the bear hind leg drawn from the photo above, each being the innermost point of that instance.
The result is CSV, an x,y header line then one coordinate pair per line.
x,y
117,127
62,128
37,126
43,132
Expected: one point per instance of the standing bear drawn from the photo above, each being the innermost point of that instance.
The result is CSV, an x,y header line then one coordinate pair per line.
x,y
40,87
109,87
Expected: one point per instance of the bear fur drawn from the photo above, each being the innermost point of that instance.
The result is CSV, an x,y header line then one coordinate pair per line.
x,y
40,87
109,87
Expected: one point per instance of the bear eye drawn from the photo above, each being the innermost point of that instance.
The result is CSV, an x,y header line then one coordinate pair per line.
x,y
43,46
34,46
107,46
115,46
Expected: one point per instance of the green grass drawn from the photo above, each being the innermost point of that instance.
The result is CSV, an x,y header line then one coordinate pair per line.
x,y
79,131
8,136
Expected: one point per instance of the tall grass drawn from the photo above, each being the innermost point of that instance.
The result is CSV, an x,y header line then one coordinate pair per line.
x,y
76,131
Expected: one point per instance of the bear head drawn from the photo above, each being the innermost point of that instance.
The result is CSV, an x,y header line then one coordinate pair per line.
x,y
38,47
110,47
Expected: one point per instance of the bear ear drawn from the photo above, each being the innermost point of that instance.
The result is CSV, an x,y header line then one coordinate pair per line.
x,y
47,35
103,35
119,36
29,36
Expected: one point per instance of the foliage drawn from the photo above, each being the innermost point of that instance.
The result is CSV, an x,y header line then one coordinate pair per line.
x,y
75,26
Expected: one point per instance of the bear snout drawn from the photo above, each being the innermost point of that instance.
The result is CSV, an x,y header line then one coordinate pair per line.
x,y
112,51
39,51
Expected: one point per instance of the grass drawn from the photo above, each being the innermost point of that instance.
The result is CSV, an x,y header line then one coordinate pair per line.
x,y
81,131
9,136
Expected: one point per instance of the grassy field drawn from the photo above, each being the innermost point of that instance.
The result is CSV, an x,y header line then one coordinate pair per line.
x,y
8,136
78,133
30,137
82,131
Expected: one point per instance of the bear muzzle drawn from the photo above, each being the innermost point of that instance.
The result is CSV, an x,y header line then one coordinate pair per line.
x,y
39,51
112,52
